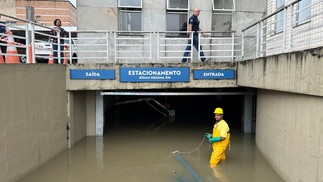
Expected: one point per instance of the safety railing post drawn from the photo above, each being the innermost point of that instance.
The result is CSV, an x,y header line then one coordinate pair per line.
x,y
107,44
191,38
151,46
199,47
32,26
257,40
290,28
115,47
28,43
70,45
261,34
58,47
284,30
232,46
158,45
242,45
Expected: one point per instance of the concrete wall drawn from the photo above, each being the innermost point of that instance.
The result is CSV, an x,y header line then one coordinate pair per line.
x,y
105,14
289,133
299,72
32,117
289,120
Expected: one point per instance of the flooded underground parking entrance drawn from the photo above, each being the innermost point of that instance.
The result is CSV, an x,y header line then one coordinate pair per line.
x,y
160,138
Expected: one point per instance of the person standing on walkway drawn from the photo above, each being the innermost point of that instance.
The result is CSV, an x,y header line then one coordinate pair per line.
x,y
63,33
219,139
194,26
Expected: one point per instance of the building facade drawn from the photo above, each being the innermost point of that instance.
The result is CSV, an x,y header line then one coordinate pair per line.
x,y
46,11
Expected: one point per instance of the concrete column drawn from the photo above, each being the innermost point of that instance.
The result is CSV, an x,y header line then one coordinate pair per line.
x,y
99,114
90,113
247,114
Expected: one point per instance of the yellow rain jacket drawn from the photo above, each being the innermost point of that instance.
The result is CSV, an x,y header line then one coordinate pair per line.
x,y
220,129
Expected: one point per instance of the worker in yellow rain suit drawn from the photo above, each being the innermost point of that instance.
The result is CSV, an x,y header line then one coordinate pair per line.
x,y
219,139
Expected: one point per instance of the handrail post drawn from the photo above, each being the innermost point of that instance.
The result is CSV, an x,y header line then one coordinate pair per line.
x,y
261,34
257,40
28,43
232,46
290,42
107,44
158,45
284,29
191,37
151,46
198,46
33,43
58,47
70,44
242,44
115,47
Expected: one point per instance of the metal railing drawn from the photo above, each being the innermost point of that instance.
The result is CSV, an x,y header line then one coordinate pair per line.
x,y
34,43
294,27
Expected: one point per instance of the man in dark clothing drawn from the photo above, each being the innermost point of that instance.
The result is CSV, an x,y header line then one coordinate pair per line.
x,y
194,25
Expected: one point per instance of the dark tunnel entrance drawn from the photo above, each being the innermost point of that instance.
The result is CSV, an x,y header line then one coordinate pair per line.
x,y
143,112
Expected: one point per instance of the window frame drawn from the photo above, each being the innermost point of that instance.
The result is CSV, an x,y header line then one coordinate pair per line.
x,y
278,14
121,6
129,11
306,9
230,10
182,9
222,13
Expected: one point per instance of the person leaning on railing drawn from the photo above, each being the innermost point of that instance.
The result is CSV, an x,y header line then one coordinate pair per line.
x,y
63,33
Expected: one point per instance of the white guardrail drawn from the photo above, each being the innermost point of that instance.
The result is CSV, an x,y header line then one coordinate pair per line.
x,y
294,27
34,44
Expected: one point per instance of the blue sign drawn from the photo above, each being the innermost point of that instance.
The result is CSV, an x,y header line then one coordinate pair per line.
x,y
213,74
92,74
154,74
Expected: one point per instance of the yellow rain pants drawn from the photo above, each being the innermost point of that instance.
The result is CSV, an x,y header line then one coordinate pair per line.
x,y
219,148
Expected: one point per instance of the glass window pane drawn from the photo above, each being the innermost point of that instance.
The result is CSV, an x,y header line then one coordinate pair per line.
x,y
130,3
279,21
304,10
221,22
130,21
176,22
280,3
177,4
280,16
223,5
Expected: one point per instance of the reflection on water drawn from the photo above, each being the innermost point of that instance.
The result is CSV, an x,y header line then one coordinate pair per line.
x,y
134,154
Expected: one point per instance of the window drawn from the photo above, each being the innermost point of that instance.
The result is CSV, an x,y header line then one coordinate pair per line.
x,y
221,22
224,5
177,5
130,15
129,21
280,16
304,11
130,3
222,15
176,15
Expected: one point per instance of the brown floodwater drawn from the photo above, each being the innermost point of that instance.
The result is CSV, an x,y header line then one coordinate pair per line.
x,y
155,153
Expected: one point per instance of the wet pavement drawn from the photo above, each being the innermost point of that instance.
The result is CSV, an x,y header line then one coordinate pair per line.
x,y
155,153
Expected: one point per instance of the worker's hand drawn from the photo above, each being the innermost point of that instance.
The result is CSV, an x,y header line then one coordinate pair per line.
x,y
208,135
